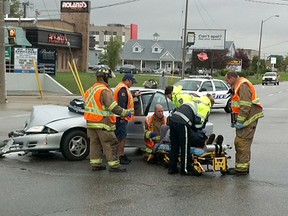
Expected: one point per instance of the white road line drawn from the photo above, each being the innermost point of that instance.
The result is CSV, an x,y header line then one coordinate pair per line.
x,y
276,109
15,116
270,95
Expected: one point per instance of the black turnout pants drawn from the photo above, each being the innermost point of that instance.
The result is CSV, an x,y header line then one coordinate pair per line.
x,y
180,136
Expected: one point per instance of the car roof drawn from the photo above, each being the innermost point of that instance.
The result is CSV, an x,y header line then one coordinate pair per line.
x,y
201,79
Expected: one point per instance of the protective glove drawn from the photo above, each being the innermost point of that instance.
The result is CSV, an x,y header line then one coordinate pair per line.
x,y
153,134
129,114
239,125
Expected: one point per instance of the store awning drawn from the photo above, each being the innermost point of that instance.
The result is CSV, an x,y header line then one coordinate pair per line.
x,y
21,39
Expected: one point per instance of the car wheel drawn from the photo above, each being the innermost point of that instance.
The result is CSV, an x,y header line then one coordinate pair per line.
x,y
227,108
262,83
277,83
75,145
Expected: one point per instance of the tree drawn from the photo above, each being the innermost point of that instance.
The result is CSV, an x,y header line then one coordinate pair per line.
x,y
15,11
111,56
219,58
240,54
262,66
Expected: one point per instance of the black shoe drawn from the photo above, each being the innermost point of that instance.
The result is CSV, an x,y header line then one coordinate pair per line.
x,y
232,171
117,169
211,139
173,171
219,139
124,160
97,168
125,156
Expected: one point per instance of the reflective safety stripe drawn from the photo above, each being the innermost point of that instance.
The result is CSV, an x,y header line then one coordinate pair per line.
x,y
97,111
112,106
253,118
148,150
101,126
115,163
96,161
245,103
240,118
242,166
183,117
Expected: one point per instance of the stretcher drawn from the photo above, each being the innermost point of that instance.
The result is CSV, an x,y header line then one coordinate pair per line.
x,y
212,158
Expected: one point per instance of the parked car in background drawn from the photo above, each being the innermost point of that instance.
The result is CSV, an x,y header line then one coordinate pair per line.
x,y
201,85
100,66
56,128
128,68
270,78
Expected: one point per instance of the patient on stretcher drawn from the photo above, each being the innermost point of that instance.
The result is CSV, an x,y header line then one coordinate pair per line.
x,y
164,144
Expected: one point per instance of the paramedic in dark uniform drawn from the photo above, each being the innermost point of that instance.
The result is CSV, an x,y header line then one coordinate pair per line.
x,y
186,127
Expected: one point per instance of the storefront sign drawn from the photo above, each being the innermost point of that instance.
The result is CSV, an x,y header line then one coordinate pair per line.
x,y
57,39
75,6
23,60
47,61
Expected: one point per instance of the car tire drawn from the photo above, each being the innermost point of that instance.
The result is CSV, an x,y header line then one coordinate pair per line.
x,y
262,83
75,145
228,108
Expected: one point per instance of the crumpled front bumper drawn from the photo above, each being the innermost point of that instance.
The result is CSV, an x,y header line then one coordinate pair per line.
x,y
31,142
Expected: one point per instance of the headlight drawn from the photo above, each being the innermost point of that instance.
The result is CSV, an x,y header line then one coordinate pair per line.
x,y
35,129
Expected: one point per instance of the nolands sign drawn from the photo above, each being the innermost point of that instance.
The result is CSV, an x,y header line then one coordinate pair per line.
x,y
75,6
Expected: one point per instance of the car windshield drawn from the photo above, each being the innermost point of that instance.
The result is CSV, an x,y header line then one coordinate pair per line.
x,y
270,74
189,85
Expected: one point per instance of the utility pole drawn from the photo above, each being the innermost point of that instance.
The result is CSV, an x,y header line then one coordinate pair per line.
x,y
184,41
2,55
25,5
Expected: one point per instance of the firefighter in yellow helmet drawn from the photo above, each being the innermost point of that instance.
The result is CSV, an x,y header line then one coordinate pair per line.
x,y
100,110
247,109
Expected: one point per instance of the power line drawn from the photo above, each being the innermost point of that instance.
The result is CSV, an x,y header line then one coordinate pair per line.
x,y
115,4
266,2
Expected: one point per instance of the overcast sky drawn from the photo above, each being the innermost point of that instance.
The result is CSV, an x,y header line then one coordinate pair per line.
x,y
240,18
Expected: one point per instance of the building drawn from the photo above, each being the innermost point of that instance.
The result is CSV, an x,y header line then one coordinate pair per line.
x,y
99,37
153,54
156,53
251,53
68,36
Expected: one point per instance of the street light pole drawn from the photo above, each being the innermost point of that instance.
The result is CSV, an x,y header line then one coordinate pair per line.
x,y
260,41
2,56
184,41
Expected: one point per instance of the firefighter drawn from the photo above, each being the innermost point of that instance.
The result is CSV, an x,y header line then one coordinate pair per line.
x,y
186,129
247,110
152,131
124,98
100,107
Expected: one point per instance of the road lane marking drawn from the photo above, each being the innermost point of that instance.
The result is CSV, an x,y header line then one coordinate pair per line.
x,y
15,116
276,109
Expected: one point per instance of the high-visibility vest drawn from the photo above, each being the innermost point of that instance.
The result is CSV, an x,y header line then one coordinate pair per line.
x,y
235,102
149,142
130,104
95,111
201,108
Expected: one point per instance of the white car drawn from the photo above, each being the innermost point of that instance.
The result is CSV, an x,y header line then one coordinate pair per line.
x,y
270,77
57,128
205,84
